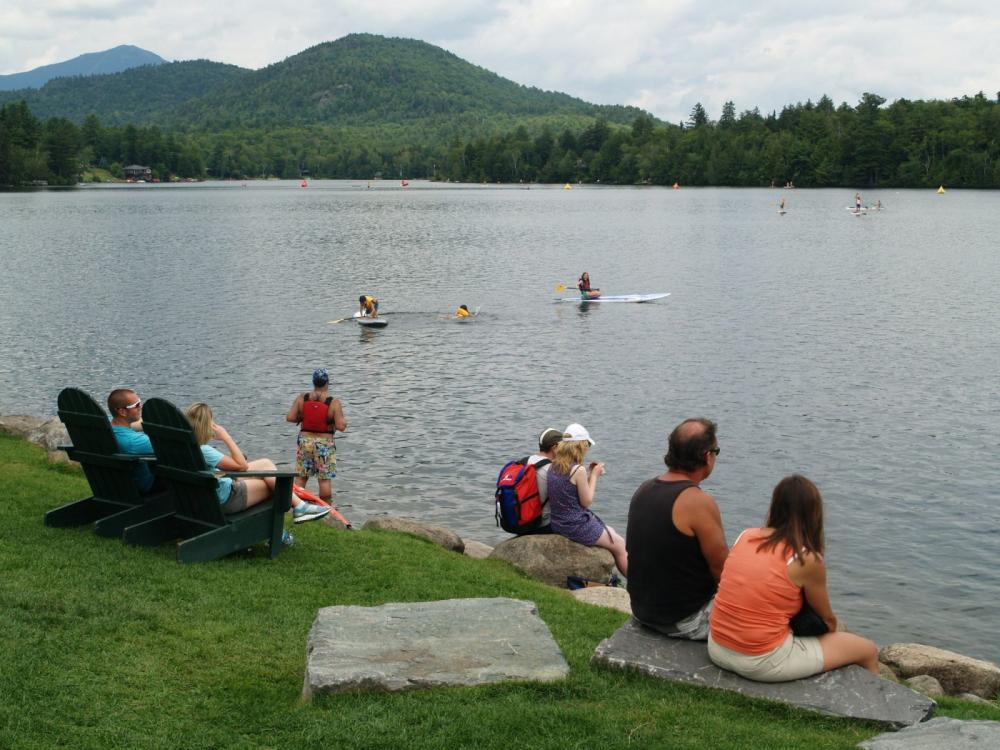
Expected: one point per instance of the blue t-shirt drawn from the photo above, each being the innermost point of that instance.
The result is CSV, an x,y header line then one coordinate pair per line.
x,y
212,458
135,444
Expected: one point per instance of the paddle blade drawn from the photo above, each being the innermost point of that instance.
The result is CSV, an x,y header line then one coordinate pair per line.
x,y
560,287
334,322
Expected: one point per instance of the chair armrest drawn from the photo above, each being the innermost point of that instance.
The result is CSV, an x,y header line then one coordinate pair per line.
x,y
261,474
145,458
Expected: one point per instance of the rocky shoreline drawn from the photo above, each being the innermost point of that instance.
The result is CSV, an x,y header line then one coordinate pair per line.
x,y
552,558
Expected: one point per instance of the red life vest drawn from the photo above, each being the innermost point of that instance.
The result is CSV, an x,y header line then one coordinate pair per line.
x,y
314,415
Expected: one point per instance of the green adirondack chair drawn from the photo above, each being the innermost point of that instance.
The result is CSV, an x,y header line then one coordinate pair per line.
x,y
116,501
197,520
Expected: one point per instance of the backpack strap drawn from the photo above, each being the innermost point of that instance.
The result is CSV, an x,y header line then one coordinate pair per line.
x,y
543,462
329,400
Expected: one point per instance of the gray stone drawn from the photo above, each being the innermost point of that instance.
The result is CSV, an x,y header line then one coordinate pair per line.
x,y
956,673
886,673
437,534
973,698
477,550
939,734
48,433
429,644
605,596
926,685
852,692
551,558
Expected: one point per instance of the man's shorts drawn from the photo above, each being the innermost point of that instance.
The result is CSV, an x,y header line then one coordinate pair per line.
x,y
694,627
316,457
792,660
237,498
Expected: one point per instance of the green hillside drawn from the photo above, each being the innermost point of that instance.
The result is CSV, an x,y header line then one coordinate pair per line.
x,y
362,79
137,95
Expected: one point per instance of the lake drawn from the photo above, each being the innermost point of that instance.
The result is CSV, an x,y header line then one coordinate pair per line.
x,y
860,351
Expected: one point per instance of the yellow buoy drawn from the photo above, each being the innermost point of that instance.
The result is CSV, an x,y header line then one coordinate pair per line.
x,y
941,190
567,186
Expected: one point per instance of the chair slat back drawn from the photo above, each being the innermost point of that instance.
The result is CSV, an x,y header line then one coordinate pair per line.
x,y
90,432
180,462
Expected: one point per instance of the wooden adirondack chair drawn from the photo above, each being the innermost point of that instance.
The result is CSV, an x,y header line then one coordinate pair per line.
x,y
116,501
205,532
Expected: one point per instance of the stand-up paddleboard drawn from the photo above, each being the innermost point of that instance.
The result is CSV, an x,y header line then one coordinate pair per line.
x,y
616,298
370,322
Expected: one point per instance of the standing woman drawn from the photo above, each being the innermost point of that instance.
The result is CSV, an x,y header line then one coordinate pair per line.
x,y
571,489
769,573
586,292
318,415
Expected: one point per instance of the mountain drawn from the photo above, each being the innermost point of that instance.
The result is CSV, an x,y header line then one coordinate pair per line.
x,y
360,82
112,60
136,96
362,78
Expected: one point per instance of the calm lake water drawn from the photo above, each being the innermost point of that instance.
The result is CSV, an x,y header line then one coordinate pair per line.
x,y
860,351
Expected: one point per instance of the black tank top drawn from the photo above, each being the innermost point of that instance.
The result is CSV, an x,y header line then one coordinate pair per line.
x,y
668,577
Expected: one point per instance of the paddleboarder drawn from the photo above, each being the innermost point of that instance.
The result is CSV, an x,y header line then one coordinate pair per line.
x,y
368,306
586,291
463,312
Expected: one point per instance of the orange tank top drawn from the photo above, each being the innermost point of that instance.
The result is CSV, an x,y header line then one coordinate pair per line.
x,y
756,597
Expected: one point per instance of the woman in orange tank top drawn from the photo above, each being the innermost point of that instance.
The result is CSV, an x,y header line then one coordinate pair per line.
x,y
763,582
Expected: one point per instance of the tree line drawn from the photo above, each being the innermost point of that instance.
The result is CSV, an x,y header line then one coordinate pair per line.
x,y
905,144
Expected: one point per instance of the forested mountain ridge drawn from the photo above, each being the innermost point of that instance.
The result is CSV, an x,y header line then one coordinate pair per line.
x,y
363,79
112,60
137,95
360,80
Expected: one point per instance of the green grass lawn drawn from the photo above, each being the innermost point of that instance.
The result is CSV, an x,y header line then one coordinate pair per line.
x,y
106,646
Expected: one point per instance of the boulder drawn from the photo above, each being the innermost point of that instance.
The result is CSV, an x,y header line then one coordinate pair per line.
x,y
956,673
939,734
886,673
437,534
551,558
477,550
851,692
429,644
48,433
973,698
925,684
605,596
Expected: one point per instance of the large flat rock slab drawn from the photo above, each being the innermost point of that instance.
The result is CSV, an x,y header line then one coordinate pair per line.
x,y
940,734
850,692
429,644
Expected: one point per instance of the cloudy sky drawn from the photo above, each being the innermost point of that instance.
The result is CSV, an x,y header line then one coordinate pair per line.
x,y
661,55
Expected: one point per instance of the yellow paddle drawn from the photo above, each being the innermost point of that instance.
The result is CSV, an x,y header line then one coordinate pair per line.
x,y
334,322
561,288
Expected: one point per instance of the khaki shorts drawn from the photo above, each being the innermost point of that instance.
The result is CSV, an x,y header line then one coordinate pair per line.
x,y
792,660
237,501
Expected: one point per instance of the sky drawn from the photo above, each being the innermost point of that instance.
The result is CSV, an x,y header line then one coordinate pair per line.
x,y
661,55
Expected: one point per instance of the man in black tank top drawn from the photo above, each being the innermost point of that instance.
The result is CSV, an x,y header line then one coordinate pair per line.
x,y
675,540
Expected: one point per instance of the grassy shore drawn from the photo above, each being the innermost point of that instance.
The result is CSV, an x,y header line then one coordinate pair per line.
x,y
105,646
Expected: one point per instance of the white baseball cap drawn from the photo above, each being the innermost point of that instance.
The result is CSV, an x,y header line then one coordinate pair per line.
x,y
576,433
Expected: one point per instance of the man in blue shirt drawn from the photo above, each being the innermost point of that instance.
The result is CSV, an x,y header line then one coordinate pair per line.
x,y
125,407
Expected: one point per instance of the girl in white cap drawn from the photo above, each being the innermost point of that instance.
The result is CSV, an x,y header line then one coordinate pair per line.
x,y
571,489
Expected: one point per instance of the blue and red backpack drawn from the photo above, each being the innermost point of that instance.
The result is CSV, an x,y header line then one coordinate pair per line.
x,y
518,504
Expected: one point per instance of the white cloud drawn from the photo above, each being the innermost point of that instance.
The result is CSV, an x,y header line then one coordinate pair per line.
x,y
662,56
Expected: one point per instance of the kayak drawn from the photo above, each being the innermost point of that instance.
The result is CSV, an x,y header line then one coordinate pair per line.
x,y
616,298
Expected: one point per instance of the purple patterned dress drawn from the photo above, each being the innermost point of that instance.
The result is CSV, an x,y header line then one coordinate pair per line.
x,y
569,518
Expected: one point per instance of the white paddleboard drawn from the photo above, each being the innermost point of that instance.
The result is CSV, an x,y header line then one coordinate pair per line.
x,y
370,322
616,298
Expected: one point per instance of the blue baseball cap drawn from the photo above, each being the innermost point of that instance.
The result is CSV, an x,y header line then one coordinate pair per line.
x,y
320,376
